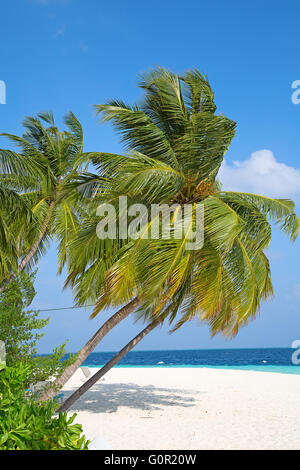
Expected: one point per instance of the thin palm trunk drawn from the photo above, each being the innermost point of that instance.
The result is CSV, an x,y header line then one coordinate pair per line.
x,y
35,246
89,383
90,346
32,250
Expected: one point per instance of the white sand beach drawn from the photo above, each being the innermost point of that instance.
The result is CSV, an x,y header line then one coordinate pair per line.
x,y
191,408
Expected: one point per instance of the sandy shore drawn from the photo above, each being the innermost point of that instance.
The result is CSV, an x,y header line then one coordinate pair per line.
x,y
191,408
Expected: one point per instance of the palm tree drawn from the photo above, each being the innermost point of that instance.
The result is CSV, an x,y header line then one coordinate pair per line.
x,y
86,350
39,174
39,180
101,372
176,144
14,210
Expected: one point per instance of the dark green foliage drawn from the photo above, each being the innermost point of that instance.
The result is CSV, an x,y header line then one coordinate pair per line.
x,y
26,424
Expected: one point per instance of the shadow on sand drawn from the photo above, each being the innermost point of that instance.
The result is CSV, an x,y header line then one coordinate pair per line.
x,y
107,398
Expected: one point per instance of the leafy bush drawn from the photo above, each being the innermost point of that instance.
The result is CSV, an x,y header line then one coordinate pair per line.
x,y
26,424
20,331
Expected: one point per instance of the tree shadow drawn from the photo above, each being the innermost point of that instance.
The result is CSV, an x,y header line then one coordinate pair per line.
x,y
107,398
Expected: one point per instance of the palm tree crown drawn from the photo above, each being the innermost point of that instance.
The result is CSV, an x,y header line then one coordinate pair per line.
x,y
39,174
175,145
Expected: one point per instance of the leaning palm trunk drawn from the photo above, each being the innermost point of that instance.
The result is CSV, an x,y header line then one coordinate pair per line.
x,y
89,383
90,346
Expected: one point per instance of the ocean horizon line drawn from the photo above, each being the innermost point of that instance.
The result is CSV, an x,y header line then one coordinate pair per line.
x,y
184,349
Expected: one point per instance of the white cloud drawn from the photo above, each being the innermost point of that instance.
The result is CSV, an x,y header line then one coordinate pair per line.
x,y
261,174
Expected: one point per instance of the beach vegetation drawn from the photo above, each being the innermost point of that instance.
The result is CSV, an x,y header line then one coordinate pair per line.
x,y
175,144
26,424
21,328
37,177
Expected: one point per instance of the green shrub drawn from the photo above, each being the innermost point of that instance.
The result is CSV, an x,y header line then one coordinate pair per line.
x,y
26,424
20,331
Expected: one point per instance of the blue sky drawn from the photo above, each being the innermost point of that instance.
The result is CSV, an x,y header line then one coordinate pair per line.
x,y
70,54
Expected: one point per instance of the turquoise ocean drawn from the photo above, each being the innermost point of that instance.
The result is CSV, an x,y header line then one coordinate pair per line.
x,y
259,359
